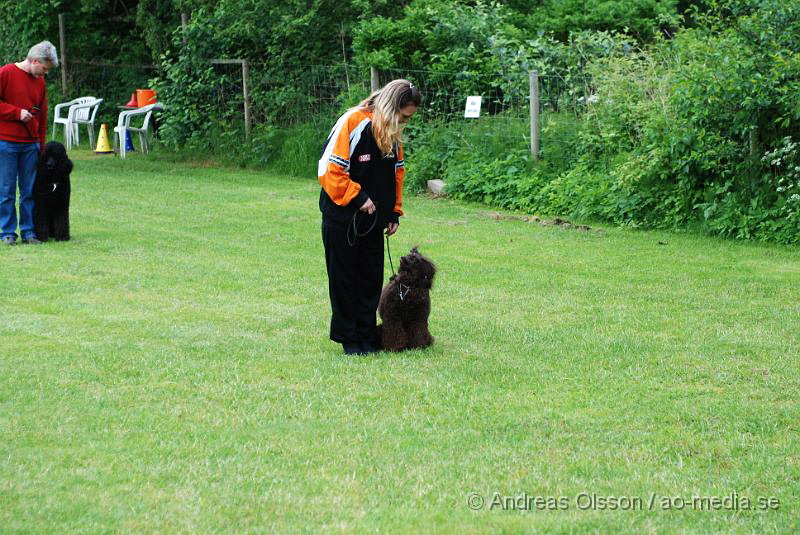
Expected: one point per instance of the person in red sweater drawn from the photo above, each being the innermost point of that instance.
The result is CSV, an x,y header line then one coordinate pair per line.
x,y
23,128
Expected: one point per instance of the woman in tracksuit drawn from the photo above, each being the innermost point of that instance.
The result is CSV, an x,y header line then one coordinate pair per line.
x,y
361,172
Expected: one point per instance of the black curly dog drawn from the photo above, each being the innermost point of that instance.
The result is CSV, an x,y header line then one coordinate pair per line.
x,y
405,305
51,192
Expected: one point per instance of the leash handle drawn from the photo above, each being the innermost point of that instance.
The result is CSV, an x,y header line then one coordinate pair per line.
x,y
25,125
353,223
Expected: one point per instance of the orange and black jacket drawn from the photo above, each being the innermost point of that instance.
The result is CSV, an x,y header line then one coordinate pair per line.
x,y
353,169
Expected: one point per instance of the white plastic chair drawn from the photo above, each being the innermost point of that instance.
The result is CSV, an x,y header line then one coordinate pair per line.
x,y
81,110
124,125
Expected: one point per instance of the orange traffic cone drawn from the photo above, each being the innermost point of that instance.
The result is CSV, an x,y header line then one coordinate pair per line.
x,y
133,102
103,145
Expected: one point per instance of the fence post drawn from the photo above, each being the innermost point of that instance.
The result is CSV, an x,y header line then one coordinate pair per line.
x,y
246,94
373,79
245,91
344,57
184,23
62,43
534,96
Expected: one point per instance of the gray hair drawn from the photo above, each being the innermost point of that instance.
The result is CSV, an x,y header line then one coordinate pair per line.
x,y
44,52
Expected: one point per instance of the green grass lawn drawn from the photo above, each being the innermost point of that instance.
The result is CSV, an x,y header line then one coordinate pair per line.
x,y
169,371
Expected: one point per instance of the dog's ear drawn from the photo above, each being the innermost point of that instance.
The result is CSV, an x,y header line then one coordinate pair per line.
x,y
414,250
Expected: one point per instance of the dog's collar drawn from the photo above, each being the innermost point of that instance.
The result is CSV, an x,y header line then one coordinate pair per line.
x,y
402,290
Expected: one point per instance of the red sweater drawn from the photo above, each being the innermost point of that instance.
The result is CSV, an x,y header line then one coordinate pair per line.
x,y
19,90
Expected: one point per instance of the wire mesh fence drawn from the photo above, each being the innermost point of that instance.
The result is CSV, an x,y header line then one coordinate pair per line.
x,y
113,82
282,96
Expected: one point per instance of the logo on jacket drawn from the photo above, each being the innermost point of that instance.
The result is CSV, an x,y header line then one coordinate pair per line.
x,y
364,158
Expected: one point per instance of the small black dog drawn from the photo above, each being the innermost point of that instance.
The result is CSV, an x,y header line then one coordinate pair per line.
x,y
405,305
51,193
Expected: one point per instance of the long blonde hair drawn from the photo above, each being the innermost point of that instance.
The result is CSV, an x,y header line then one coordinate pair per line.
x,y
385,105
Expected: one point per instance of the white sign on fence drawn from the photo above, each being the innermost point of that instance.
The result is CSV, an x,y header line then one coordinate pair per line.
x,y
473,109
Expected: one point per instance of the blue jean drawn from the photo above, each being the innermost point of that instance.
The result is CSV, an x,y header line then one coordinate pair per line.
x,y
17,161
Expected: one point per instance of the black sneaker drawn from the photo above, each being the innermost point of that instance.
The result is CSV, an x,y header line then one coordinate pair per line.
x,y
353,349
32,241
8,240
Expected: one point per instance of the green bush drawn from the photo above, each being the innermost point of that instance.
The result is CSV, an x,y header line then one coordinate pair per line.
x,y
642,18
701,128
433,146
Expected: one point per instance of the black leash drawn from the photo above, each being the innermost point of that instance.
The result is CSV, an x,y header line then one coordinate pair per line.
x,y
353,223
26,127
402,289
389,252
35,112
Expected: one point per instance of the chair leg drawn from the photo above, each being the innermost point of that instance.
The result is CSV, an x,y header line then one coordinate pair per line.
x,y
77,136
116,143
92,139
65,132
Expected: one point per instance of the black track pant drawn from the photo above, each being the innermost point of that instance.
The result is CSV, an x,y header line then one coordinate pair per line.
x,y
355,280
